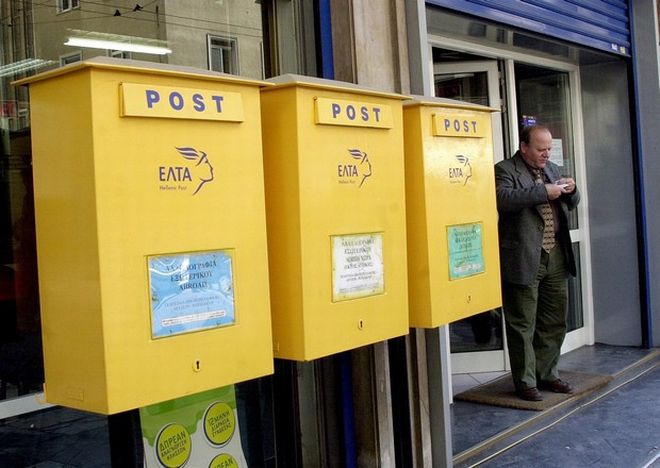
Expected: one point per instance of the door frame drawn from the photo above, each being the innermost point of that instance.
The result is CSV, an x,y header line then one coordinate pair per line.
x,y
490,66
23,404
495,360
585,335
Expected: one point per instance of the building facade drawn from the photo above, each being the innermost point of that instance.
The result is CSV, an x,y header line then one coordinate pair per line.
x,y
590,72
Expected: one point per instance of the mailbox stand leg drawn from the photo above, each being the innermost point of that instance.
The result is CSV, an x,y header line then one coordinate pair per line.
x,y
125,433
437,359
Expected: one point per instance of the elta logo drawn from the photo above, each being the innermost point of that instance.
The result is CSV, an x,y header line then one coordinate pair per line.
x,y
360,170
462,172
194,175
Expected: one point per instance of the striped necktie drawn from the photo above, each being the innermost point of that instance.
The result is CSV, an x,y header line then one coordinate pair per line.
x,y
548,217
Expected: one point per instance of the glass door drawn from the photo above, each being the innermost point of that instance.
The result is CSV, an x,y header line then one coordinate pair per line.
x,y
477,343
543,96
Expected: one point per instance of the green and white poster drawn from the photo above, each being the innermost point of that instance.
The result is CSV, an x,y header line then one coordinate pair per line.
x,y
466,256
196,431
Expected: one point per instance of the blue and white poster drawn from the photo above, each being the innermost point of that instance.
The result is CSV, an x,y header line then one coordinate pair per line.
x,y
190,292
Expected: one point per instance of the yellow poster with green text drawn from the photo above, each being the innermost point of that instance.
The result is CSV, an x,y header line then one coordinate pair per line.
x,y
199,430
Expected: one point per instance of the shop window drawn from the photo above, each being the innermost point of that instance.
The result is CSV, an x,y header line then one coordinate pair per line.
x,y
23,118
67,5
119,54
148,33
71,58
223,54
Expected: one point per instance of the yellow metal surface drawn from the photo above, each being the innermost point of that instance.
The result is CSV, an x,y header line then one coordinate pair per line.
x,y
453,259
335,200
114,194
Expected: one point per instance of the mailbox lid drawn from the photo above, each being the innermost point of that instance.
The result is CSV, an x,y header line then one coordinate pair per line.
x,y
431,101
293,80
140,66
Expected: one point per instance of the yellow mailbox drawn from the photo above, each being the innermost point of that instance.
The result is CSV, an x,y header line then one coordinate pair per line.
x,y
151,232
453,258
335,199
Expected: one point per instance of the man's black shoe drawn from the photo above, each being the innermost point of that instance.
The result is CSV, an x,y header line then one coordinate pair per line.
x,y
530,394
557,386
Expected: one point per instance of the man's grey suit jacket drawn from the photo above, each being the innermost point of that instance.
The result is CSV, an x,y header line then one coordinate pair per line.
x,y
520,220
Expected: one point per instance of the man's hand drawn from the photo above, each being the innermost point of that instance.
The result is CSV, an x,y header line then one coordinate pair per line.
x,y
568,184
554,191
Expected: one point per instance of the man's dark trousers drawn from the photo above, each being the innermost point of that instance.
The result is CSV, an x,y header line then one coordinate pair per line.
x,y
536,321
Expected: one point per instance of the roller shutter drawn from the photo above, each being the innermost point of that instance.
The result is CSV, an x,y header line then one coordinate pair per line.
x,y
601,24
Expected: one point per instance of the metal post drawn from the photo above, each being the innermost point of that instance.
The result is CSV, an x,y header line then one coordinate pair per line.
x,y
418,49
437,361
437,347
125,433
642,128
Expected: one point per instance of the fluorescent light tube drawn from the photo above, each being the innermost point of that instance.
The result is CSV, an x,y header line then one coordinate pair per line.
x,y
24,65
115,45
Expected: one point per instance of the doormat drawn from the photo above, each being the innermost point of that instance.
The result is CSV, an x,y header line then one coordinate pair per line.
x,y
501,392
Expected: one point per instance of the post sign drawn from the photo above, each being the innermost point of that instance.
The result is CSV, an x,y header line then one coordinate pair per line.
x,y
353,113
140,100
460,125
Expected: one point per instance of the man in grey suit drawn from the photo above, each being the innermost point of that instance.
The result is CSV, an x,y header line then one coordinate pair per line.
x,y
533,200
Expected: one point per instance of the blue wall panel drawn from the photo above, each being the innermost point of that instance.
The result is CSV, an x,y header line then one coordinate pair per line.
x,y
601,24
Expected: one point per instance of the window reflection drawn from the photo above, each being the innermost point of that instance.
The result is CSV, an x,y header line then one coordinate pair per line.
x,y
223,54
543,95
220,35
21,367
205,34
467,87
67,5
